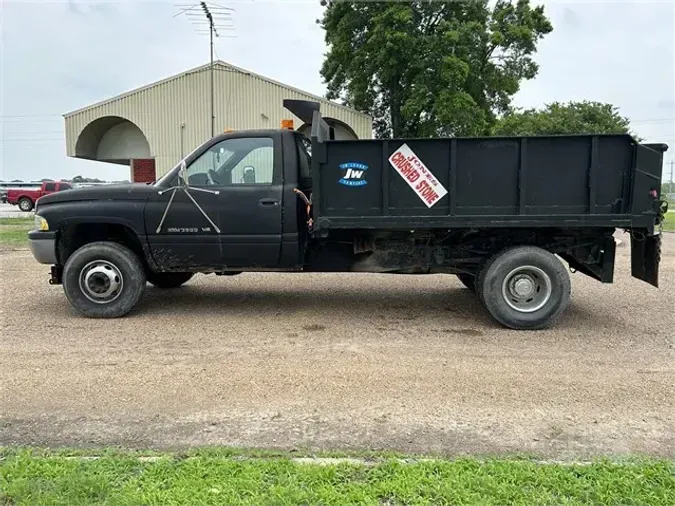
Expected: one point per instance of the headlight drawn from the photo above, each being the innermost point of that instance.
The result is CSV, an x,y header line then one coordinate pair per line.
x,y
41,223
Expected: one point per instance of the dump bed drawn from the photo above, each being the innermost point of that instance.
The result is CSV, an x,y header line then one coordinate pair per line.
x,y
556,181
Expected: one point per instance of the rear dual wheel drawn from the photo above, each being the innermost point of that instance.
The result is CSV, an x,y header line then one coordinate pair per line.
x,y
524,288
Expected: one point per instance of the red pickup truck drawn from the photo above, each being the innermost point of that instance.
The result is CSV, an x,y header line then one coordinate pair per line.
x,y
25,198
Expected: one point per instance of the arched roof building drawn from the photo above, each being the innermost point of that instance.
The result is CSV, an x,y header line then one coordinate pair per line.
x,y
151,128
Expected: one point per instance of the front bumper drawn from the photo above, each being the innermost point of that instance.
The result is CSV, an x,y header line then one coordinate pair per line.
x,y
43,246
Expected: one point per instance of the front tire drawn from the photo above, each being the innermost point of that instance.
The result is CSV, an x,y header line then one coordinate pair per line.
x,y
103,280
525,288
169,279
26,204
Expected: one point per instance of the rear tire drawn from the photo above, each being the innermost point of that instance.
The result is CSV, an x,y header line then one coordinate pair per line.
x,y
468,280
524,288
169,279
103,280
26,204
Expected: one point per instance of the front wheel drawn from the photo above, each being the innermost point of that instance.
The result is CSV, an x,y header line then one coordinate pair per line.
x,y
26,204
103,280
169,279
525,288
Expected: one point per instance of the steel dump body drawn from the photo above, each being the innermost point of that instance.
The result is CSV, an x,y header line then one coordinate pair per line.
x,y
555,181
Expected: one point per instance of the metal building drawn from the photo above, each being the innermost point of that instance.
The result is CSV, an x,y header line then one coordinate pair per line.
x,y
153,127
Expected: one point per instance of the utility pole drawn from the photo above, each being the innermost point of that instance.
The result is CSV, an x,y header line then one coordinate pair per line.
x,y
216,18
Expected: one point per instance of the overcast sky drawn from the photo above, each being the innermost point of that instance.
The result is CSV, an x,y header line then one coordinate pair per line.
x,y
58,55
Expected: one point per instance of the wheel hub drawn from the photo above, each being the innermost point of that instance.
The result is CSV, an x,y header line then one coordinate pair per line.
x,y
523,286
527,289
101,281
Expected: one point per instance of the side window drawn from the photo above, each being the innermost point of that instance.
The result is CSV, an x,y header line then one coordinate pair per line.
x,y
257,167
247,160
64,186
50,187
203,171
304,147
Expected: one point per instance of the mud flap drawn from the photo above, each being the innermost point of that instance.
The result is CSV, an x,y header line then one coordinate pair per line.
x,y
645,256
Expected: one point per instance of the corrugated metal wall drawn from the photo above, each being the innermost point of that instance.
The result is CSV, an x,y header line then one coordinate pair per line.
x,y
175,114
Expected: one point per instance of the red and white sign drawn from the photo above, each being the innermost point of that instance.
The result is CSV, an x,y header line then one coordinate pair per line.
x,y
417,175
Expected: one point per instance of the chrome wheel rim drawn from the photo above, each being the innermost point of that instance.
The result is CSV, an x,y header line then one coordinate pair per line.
x,y
101,281
24,205
527,289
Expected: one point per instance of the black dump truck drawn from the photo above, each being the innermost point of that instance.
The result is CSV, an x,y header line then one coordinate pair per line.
x,y
510,216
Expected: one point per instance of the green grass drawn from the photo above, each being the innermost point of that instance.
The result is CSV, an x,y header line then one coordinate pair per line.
x,y
28,222
41,478
669,222
13,232
14,236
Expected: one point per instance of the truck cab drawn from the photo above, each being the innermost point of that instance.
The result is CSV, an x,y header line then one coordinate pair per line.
x,y
232,204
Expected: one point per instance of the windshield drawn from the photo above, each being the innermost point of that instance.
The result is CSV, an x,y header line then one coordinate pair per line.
x,y
166,178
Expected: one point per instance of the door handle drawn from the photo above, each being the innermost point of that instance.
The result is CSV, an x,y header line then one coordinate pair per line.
x,y
269,202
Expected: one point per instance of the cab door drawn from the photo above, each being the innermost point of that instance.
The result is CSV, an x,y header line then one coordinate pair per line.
x,y
229,213
250,210
46,189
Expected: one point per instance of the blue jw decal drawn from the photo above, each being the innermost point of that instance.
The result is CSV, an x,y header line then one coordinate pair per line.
x,y
354,174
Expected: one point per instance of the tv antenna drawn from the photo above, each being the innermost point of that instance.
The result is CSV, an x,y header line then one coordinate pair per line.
x,y
212,19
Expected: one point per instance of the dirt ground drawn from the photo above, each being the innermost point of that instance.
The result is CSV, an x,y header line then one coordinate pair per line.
x,y
307,361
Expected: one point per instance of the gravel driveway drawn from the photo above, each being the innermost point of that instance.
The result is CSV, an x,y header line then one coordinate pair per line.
x,y
409,363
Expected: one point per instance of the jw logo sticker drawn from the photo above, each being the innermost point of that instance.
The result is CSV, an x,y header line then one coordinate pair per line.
x,y
417,175
354,174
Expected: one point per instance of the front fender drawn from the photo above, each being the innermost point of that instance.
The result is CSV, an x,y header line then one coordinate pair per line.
x,y
125,213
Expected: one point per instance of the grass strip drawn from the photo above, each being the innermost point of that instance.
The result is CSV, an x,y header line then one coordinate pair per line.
x,y
14,232
42,477
28,222
669,222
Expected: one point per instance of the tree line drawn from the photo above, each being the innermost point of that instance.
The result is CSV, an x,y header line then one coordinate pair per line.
x,y
435,69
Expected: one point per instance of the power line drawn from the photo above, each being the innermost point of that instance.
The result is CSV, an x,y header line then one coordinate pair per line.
x,y
20,141
46,132
28,115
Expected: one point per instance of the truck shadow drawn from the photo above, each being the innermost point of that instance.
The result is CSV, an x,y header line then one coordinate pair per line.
x,y
447,308
381,307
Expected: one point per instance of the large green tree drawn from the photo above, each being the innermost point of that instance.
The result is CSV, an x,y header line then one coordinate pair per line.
x,y
430,68
564,118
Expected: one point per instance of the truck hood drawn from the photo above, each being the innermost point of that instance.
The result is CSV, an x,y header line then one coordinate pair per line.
x,y
133,191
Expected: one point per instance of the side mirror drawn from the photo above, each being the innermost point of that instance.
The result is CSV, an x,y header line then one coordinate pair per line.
x,y
183,173
219,155
249,175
